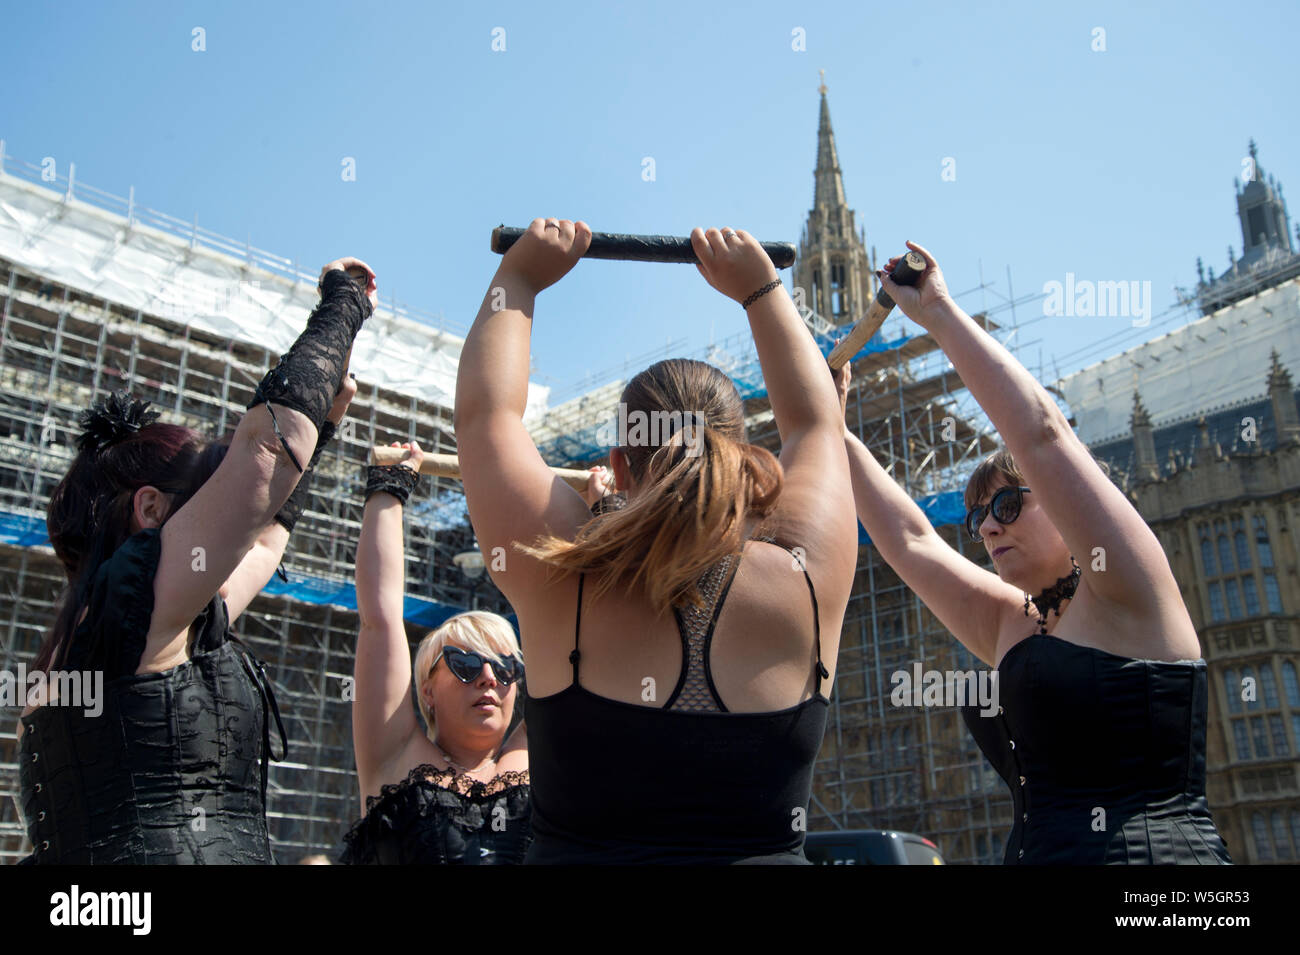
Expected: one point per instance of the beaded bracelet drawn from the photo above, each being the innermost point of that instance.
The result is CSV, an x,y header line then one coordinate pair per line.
x,y
761,292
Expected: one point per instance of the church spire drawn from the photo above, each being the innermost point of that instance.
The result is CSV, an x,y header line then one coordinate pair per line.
x,y
829,189
832,267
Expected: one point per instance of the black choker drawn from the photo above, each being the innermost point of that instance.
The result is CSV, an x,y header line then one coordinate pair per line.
x,y
1051,598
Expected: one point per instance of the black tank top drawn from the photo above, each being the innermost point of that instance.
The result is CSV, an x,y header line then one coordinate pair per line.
x,y
690,782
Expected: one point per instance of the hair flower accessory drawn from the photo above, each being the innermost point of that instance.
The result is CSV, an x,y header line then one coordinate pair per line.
x,y
112,418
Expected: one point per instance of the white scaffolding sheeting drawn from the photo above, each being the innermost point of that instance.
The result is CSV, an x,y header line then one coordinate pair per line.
x,y
104,254
1215,361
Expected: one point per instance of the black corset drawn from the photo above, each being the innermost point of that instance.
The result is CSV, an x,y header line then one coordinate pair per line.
x,y
173,770
1104,756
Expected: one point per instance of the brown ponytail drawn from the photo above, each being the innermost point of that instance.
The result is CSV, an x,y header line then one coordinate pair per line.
x,y
698,487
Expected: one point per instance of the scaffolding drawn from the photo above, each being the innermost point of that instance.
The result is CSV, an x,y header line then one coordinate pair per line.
x,y
62,345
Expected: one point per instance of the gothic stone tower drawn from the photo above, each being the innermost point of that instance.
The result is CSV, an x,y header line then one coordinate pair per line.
x,y
832,266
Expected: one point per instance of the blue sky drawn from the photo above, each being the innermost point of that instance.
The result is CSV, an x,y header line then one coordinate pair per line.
x,y
1113,165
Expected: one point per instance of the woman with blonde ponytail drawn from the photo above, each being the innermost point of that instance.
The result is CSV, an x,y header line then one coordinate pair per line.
x,y
678,698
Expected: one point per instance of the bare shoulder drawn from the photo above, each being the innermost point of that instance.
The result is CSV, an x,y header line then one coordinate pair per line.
x,y
515,761
418,751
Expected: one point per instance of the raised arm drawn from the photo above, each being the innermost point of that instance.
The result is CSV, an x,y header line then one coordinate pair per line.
x,y
969,600
208,538
817,497
383,722
510,493
1098,524
268,550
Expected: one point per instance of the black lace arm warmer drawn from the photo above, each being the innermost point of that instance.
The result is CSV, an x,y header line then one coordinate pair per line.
x,y
395,479
297,503
309,374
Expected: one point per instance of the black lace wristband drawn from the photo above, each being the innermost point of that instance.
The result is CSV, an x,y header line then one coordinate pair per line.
x,y
395,479
760,293
308,375
288,515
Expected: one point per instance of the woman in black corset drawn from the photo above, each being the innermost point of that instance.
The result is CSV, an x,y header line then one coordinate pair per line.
x,y
1100,727
165,544
679,647
456,791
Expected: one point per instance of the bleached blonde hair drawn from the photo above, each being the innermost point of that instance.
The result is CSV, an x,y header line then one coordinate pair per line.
x,y
487,634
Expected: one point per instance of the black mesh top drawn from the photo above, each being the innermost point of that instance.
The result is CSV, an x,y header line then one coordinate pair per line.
x,y
1104,756
173,770
696,784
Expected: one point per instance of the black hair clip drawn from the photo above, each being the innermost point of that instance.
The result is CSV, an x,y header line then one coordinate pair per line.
x,y
112,418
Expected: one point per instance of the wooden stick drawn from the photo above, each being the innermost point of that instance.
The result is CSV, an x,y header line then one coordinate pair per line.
x,y
448,465
906,272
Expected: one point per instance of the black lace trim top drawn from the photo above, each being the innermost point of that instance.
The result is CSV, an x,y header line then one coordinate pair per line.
x,y
442,817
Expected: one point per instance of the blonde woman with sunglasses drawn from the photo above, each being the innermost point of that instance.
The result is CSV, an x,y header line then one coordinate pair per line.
x,y
454,791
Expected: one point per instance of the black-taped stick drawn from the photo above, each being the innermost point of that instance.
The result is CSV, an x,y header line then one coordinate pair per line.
x,y
642,248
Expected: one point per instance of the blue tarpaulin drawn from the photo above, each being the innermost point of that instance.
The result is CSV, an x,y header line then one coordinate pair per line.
x,y
946,508
24,530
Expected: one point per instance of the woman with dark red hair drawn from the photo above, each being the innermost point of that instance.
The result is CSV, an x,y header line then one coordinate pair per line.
x,y
164,544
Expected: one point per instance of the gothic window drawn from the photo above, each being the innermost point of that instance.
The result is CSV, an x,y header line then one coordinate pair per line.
x,y
1263,844
1216,604
1271,593
1260,736
1251,595
1262,546
1234,598
1277,730
1290,685
1228,546
1241,738
1268,685
1279,837
1225,555
838,297
1232,691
